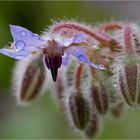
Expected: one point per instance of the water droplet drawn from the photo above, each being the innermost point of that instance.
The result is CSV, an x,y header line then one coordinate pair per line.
x,y
115,85
82,58
101,67
68,42
64,55
36,36
20,44
23,33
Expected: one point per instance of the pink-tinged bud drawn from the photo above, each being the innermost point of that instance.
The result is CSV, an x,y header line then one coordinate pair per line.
x,y
128,83
99,96
29,79
126,66
79,110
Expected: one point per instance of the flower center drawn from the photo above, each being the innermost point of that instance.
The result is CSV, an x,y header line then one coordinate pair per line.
x,y
53,48
53,57
53,63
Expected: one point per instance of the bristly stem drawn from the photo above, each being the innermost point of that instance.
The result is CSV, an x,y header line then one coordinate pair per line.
x,y
110,26
106,40
127,39
81,28
78,75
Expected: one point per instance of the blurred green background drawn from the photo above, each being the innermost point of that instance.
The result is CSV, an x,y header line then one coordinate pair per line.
x,y
42,119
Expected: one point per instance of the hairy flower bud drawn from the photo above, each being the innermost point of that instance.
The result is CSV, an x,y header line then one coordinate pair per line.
x,y
128,83
78,85
29,79
93,126
99,97
79,109
126,66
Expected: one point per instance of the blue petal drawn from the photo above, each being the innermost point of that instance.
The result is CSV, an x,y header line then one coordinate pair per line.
x,y
65,59
80,54
78,38
25,38
14,54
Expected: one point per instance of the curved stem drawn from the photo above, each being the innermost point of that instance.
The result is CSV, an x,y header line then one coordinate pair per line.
x,y
127,39
106,40
78,77
76,26
110,26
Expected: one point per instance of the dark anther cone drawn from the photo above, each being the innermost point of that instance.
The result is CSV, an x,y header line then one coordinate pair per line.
x,y
54,74
53,63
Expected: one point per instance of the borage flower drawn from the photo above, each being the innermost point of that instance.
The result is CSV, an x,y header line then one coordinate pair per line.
x,y
55,49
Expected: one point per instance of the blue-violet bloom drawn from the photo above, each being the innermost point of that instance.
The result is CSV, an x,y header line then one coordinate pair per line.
x,y
55,49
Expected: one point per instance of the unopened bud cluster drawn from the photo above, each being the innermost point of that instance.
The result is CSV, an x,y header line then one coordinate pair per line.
x,y
103,79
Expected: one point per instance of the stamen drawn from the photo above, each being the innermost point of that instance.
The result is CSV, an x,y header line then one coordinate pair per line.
x,y
53,63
